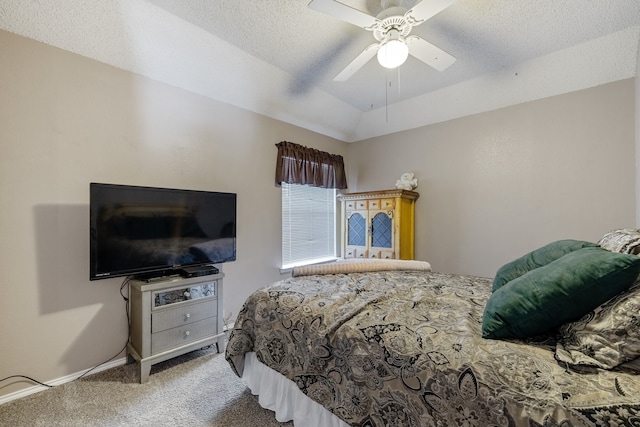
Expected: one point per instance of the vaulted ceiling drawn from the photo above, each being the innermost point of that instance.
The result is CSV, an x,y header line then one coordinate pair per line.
x,y
279,57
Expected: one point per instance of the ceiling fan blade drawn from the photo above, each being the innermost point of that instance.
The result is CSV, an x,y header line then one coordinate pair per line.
x,y
425,10
357,63
429,54
344,12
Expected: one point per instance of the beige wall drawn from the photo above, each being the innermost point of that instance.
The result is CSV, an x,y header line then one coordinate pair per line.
x,y
496,185
66,121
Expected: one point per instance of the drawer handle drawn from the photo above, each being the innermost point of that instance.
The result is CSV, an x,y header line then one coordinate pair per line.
x,y
187,316
186,333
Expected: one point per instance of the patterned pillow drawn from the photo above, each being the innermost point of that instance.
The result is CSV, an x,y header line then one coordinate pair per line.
x,y
624,241
607,336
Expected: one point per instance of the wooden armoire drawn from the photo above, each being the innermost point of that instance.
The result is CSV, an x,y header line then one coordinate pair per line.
x,y
378,224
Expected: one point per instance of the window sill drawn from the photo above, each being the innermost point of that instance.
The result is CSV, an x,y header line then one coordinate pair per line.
x,y
287,269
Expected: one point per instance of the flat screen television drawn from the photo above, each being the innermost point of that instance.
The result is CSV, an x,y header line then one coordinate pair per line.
x,y
147,231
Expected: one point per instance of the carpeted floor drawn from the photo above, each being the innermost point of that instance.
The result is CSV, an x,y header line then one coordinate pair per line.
x,y
196,389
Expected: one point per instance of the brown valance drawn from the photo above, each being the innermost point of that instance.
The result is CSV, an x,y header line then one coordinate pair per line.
x,y
297,164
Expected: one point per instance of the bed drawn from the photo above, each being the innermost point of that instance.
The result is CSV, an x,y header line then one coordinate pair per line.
x,y
394,343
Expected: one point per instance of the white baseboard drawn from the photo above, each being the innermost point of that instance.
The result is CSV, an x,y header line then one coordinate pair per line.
x,y
38,388
66,379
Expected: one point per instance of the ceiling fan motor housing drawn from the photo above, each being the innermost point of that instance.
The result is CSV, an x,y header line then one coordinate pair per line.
x,y
392,19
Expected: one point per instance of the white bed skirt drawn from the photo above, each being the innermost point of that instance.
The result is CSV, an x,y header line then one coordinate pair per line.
x,y
279,394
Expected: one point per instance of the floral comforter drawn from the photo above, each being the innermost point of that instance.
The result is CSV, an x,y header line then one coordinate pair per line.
x,y
405,348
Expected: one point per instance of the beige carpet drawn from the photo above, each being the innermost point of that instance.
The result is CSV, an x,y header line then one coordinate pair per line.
x,y
196,389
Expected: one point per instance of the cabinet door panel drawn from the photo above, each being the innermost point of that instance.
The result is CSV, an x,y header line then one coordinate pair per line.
x,y
382,230
357,229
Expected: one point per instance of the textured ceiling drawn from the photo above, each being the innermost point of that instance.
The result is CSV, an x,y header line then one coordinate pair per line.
x,y
278,57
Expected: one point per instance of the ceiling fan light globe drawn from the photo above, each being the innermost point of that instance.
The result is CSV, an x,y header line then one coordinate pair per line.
x,y
393,53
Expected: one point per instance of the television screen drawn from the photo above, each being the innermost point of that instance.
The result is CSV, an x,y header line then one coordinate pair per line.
x,y
157,231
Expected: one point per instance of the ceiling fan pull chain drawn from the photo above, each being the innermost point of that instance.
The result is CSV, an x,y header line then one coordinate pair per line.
x,y
386,96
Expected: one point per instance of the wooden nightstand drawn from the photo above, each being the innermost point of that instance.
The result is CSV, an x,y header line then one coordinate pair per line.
x,y
173,315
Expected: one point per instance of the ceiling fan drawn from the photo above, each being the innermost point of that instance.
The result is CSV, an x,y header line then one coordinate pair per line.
x,y
391,29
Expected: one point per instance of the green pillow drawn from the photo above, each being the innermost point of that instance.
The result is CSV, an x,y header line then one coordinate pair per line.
x,y
538,258
558,292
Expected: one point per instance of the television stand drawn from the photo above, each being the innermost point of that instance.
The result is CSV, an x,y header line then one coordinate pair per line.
x,y
172,316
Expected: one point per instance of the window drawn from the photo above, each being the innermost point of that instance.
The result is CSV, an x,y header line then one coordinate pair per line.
x,y
308,224
309,179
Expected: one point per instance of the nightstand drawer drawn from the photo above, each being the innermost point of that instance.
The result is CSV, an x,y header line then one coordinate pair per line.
x,y
182,335
184,314
181,295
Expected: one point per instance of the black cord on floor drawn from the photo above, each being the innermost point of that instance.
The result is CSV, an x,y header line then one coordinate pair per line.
x,y
125,282
28,378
